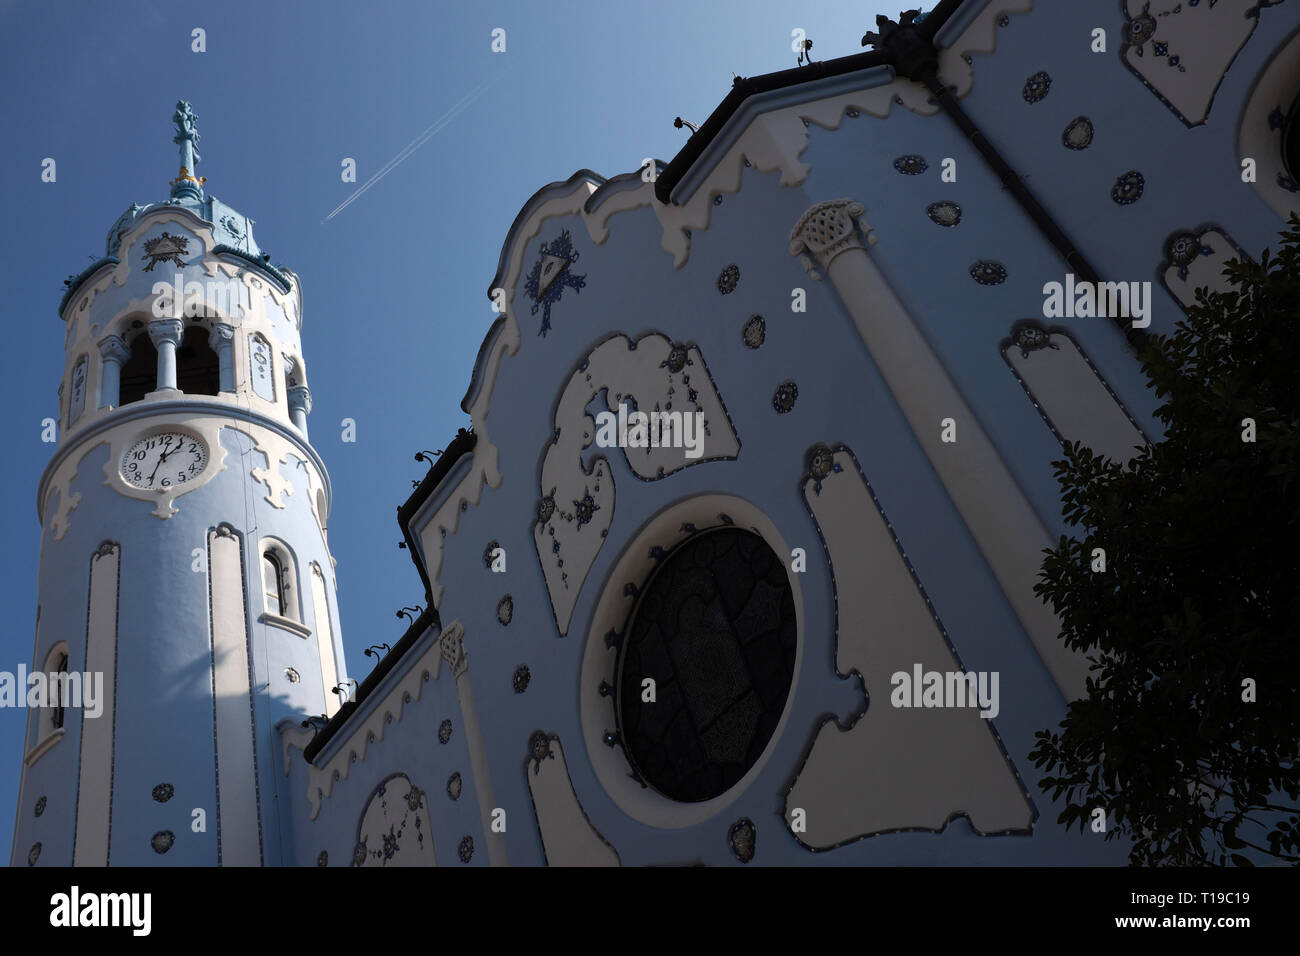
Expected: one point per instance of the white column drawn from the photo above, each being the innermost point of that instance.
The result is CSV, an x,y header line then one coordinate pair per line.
x,y
95,776
221,340
166,335
239,840
451,646
324,641
299,406
114,351
1000,518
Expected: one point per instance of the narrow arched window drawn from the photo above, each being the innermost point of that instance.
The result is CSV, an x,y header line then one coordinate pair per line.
x,y
59,695
273,584
58,691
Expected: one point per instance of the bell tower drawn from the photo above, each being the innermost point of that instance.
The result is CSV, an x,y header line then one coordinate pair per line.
x,y
187,593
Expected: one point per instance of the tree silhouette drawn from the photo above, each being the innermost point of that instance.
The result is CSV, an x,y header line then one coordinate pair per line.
x,y
1189,731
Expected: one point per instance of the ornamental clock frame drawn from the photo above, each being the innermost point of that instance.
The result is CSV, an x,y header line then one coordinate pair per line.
x,y
203,432
180,455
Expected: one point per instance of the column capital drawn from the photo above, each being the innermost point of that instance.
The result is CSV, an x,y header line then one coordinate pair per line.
x,y
162,331
221,333
826,230
452,647
299,396
113,348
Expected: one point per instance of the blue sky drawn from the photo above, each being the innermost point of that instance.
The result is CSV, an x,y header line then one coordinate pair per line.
x,y
395,285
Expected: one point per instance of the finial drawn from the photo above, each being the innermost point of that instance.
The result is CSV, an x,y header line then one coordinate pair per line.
x,y
186,186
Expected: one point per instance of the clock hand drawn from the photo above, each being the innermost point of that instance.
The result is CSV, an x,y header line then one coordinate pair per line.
x,y
161,458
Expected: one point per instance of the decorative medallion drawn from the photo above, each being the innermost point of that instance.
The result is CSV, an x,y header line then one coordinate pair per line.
x,y
165,248
821,465
728,279
755,332
414,797
291,675
945,213
1032,338
584,509
743,837
1036,87
359,854
34,854
1078,135
506,610
545,508
454,786
466,849
444,731
1140,29
521,678
162,841
1182,248
677,358
551,275
988,272
237,231
489,552
785,396
1128,188
40,805
323,859
1004,21
163,792
911,164
539,749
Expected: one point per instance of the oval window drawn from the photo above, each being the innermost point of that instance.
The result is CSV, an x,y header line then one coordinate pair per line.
x,y
715,630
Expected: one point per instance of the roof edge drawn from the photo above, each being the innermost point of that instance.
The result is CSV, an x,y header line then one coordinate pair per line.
x,y
745,87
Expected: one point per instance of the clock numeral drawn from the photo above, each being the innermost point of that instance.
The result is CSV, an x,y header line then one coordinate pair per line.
x,y
138,456
166,482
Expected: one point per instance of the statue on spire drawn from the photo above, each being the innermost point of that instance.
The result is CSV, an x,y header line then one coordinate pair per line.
x,y
186,186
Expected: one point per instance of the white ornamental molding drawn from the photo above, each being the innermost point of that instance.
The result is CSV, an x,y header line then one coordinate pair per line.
x,y
576,505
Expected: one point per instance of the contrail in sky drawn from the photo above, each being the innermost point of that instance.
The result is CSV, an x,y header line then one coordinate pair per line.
x,y
415,144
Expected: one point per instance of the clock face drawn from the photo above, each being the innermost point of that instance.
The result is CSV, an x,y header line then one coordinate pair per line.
x,y
164,460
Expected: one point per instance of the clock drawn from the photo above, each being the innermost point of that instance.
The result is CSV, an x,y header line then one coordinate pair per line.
x,y
164,460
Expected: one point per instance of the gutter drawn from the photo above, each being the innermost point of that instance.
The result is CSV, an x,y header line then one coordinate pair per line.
x,y
460,446
428,619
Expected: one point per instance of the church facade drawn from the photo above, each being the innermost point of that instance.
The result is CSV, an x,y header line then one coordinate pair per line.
x,y
736,561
